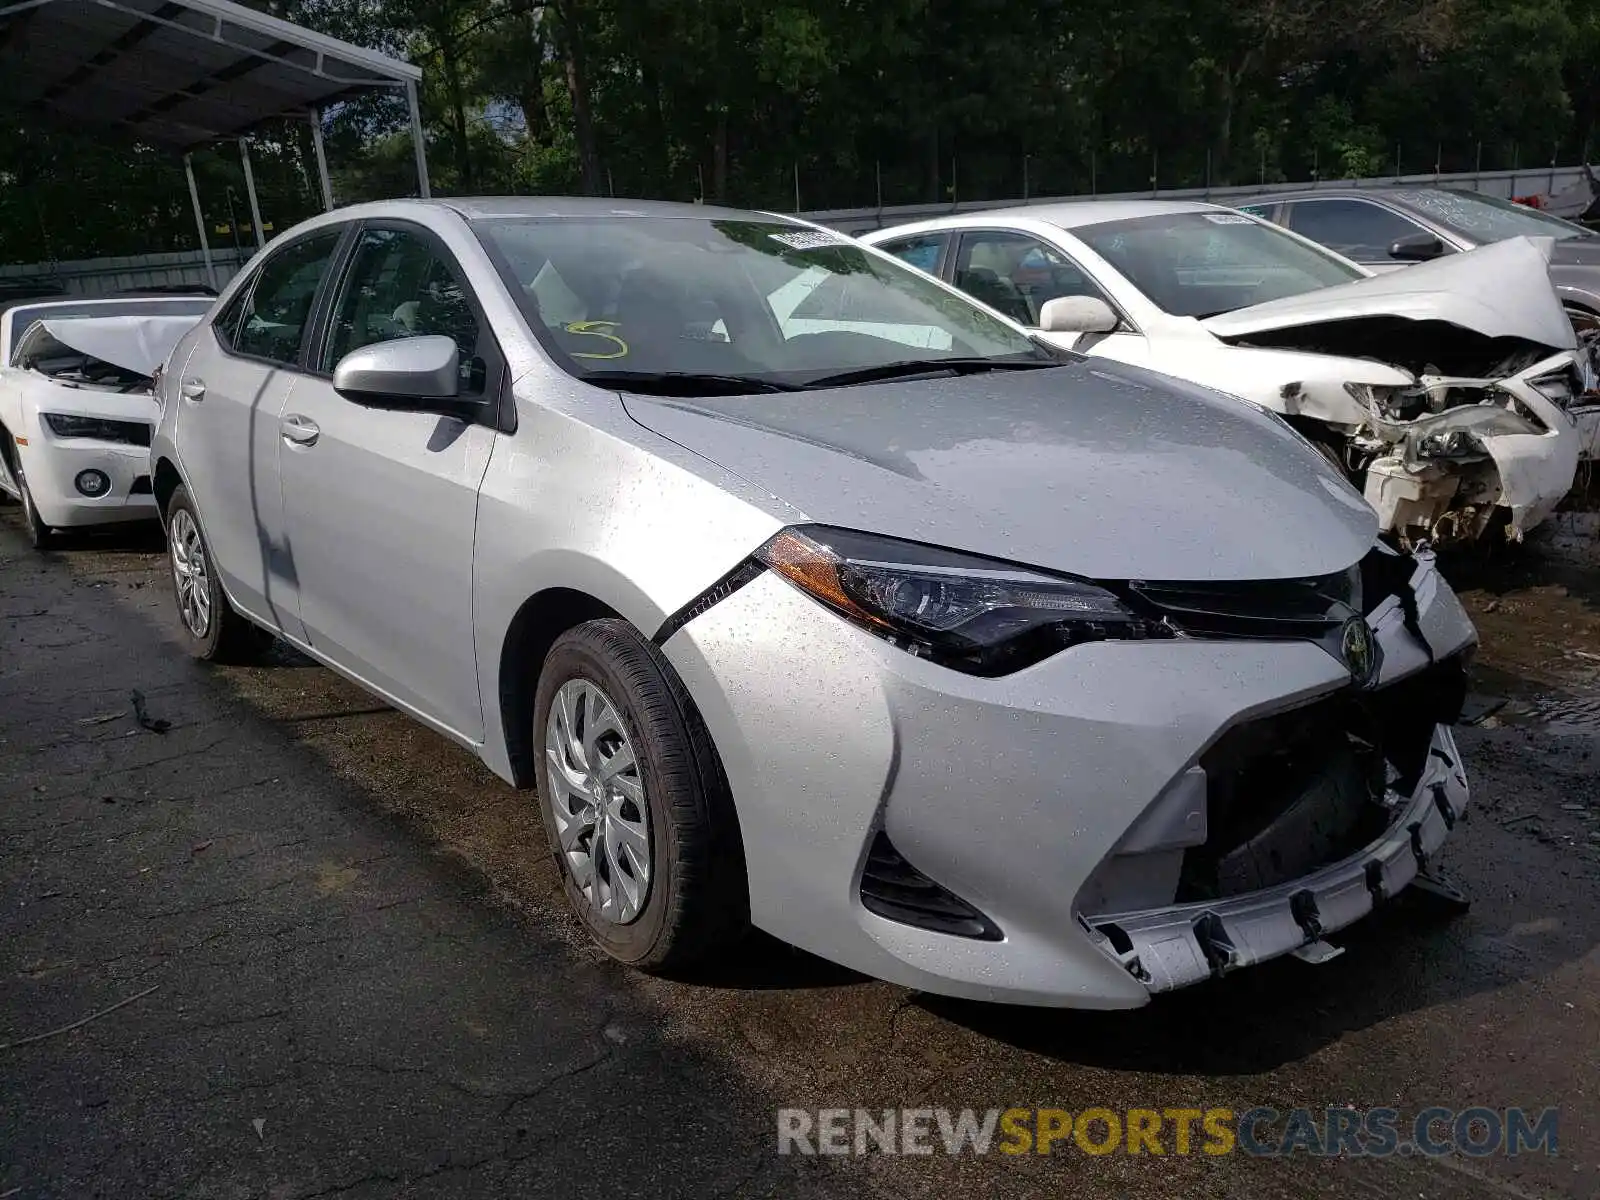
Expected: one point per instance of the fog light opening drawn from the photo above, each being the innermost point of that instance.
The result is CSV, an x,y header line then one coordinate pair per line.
x,y
92,483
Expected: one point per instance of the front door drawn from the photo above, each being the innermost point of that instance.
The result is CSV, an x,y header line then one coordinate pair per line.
x,y
381,506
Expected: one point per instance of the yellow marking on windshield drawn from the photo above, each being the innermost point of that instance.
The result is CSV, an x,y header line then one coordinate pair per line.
x,y
594,329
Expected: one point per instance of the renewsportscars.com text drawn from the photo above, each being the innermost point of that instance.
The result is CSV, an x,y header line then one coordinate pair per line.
x,y
1258,1132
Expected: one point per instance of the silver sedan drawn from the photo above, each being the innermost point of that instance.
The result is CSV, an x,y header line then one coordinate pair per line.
x,y
806,593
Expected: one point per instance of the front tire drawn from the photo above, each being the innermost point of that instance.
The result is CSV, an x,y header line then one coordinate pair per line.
x,y
212,630
635,803
40,535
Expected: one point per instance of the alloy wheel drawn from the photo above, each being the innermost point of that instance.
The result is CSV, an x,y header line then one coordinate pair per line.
x,y
597,801
190,575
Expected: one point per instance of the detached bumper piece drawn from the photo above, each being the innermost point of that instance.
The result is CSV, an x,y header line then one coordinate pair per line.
x,y
1174,947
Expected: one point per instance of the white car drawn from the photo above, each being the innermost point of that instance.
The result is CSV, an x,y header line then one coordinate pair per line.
x,y
76,410
1442,392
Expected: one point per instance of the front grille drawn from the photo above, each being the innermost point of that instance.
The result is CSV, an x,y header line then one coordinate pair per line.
x,y
1307,609
1294,791
895,890
1311,609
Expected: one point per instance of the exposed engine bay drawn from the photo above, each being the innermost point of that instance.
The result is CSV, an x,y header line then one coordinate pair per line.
x,y
1486,423
72,368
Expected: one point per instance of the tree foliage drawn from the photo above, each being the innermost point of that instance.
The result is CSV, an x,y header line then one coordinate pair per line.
x,y
826,103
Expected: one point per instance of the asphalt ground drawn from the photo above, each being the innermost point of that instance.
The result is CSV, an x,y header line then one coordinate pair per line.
x,y
344,967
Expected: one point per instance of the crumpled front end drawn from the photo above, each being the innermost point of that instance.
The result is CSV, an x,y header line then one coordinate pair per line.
x,y
1437,460
968,835
1295,823
1442,428
1485,385
1585,406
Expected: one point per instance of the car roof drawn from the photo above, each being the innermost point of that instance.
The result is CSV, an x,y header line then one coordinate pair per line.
x,y
480,207
1071,214
1395,192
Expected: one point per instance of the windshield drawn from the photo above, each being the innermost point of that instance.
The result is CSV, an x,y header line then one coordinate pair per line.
x,y
1487,218
740,299
1199,264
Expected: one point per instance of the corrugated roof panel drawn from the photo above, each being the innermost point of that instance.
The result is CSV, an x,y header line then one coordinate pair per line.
x,y
175,72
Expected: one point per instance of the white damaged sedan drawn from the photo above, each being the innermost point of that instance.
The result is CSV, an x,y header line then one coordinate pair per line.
x,y
76,410
1442,392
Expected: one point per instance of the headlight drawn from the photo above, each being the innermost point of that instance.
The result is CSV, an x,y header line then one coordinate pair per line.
x,y
973,614
134,433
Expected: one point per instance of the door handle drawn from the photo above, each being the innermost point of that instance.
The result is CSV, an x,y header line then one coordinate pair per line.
x,y
193,389
300,431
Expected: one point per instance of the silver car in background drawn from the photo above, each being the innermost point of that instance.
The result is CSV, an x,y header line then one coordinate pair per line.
x,y
809,594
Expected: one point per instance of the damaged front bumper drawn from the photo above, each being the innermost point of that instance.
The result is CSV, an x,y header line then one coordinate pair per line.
x,y
1176,946
1451,496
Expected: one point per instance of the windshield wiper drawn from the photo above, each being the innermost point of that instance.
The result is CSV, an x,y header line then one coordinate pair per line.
x,y
910,368
685,383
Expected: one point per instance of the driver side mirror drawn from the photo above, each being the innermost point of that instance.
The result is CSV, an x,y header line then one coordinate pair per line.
x,y
1417,247
414,374
1078,314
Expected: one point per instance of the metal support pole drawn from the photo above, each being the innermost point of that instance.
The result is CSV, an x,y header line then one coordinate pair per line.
x,y
322,160
250,190
200,221
418,142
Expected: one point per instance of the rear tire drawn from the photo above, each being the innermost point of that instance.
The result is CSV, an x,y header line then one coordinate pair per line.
x,y
211,629
607,696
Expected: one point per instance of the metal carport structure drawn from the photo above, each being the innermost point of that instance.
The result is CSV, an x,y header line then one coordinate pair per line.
x,y
180,74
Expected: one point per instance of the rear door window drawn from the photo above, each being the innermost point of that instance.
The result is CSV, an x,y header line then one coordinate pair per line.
x,y
924,251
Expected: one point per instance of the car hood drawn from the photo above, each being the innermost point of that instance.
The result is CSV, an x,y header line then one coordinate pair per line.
x,y
139,344
1501,290
1109,472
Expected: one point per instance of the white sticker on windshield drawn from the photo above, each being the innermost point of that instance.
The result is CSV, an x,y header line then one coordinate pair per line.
x,y
1227,219
810,239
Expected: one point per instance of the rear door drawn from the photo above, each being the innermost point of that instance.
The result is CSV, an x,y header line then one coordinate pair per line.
x,y
231,392
381,506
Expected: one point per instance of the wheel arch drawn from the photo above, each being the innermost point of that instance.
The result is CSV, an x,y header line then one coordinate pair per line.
x,y
164,480
538,622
